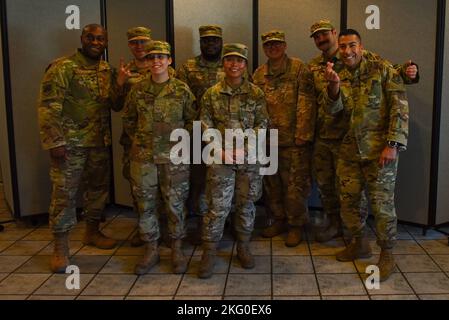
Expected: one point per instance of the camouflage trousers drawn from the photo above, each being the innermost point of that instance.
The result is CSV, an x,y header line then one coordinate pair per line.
x,y
223,182
324,168
87,168
156,183
287,192
354,177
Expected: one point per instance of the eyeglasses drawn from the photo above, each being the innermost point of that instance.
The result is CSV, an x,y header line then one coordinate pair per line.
x,y
273,44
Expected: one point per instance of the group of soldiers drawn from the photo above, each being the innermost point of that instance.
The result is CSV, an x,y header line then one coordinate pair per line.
x,y
341,119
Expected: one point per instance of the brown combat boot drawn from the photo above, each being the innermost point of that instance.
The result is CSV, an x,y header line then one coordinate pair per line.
x,y
136,241
179,261
149,260
359,248
277,228
333,230
96,238
60,258
294,237
244,255
207,264
386,264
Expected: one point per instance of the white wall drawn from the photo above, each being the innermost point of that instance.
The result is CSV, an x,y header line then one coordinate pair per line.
x,y
234,16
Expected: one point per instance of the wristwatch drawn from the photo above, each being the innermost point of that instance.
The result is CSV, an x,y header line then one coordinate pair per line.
x,y
396,145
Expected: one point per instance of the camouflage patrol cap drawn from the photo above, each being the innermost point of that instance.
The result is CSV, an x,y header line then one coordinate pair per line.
x,y
322,25
139,33
158,47
211,31
273,35
235,49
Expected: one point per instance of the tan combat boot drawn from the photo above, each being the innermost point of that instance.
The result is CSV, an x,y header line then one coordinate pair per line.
x,y
95,237
294,237
179,261
333,230
207,264
136,241
60,258
244,255
149,260
386,264
357,249
277,228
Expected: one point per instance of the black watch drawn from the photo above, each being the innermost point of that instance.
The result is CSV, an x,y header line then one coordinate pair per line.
x,y
396,145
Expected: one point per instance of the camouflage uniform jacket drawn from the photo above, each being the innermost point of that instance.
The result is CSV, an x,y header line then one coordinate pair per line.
x,y
200,74
374,98
149,119
282,93
334,127
76,95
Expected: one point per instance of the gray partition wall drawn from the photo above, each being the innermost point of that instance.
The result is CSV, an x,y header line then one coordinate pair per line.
x,y
37,35
407,30
122,15
235,16
443,174
295,17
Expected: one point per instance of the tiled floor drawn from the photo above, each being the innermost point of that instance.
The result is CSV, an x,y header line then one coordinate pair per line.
x,y
309,271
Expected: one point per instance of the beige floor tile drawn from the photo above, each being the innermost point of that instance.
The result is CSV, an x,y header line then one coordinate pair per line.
x,y
121,264
74,247
362,264
395,285
428,283
56,298
279,249
417,233
328,264
346,298
395,297
13,297
211,298
156,285
191,285
107,298
307,298
442,261
294,285
407,247
248,298
435,246
432,297
22,283
416,263
258,248
126,250
340,284
292,264
221,265
5,244
248,285
327,249
3,276
25,248
42,234
89,264
93,251
37,264
263,265
115,285
163,267
158,298
56,285
10,263
14,234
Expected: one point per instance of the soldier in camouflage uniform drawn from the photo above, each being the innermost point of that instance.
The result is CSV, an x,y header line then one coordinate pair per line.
x,y
286,192
76,95
371,93
233,103
155,107
331,129
201,73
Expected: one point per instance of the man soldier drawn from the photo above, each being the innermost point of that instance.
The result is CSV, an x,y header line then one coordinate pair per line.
x,y
287,191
